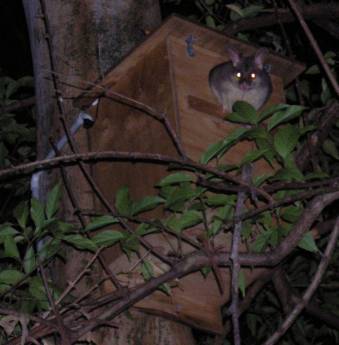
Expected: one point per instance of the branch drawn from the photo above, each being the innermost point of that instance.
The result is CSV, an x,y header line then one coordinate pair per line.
x,y
151,158
316,11
310,290
195,262
315,46
236,239
199,259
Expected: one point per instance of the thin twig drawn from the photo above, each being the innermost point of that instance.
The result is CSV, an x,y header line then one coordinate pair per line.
x,y
315,46
236,239
310,290
64,331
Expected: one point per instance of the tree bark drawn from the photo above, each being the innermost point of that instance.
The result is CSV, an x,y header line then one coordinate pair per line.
x,y
73,44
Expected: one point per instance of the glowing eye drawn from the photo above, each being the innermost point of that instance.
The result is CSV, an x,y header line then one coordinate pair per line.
x,y
238,75
253,75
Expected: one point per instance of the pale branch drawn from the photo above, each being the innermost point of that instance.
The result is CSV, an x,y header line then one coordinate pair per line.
x,y
310,290
246,174
291,297
251,293
316,11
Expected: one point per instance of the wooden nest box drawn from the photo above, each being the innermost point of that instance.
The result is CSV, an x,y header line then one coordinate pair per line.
x,y
163,74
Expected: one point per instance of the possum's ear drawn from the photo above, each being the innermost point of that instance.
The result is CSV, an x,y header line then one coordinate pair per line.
x,y
259,57
234,55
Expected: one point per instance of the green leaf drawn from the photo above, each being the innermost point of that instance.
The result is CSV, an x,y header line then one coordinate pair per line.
x,y
242,283
123,202
326,93
259,180
307,129
233,138
29,260
10,277
330,148
261,241
270,153
285,140
314,69
210,22
147,270
246,111
205,271
308,243
145,229
236,8
49,249
188,219
258,133
253,155
179,195
237,118
285,115
38,291
175,178
318,175
252,10
216,200
26,81
223,214
37,213
146,204
21,213
53,200
212,151
130,244
5,231
291,214
11,249
80,242
251,320
271,110
100,222
246,229
165,288
288,174
107,238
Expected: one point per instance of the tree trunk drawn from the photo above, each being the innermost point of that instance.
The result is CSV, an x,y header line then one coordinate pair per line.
x,y
85,39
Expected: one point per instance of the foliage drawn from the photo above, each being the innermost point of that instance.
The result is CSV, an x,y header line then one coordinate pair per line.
x,y
37,235
17,139
33,235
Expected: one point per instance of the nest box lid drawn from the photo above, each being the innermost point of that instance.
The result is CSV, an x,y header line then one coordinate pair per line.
x,y
203,37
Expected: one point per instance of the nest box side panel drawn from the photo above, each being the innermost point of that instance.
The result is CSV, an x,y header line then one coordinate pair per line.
x,y
215,41
201,120
123,128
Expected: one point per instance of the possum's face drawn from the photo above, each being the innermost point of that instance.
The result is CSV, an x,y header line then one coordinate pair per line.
x,y
247,75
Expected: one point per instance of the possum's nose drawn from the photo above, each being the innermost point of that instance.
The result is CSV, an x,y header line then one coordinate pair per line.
x,y
244,86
